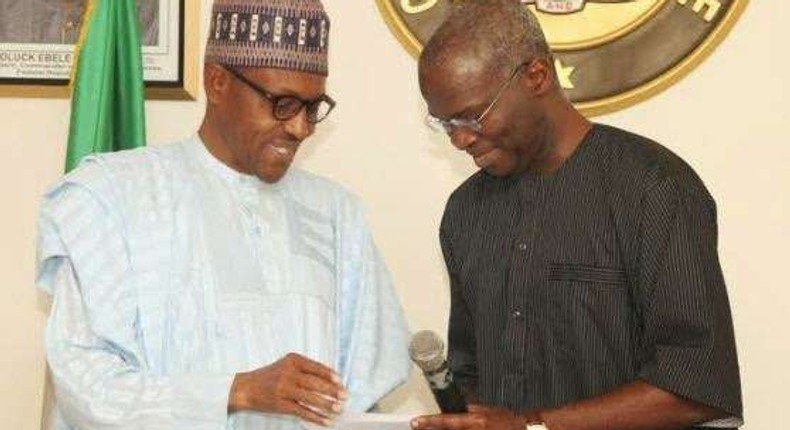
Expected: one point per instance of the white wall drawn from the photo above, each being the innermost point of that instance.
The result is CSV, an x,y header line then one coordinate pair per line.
x,y
729,120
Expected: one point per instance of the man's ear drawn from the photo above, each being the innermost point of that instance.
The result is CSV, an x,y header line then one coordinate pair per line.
x,y
540,76
216,83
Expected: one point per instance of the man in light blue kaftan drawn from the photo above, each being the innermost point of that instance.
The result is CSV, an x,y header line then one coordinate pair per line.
x,y
207,285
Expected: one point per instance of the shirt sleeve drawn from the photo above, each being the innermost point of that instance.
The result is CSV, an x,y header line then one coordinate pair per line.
x,y
94,344
373,338
687,327
462,344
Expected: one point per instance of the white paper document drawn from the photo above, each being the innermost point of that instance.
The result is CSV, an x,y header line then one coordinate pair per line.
x,y
366,422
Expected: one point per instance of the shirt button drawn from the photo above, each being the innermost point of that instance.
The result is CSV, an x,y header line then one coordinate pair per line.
x,y
517,313
522,246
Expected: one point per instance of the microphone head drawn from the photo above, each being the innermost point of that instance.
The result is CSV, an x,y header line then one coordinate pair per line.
x,y
427,351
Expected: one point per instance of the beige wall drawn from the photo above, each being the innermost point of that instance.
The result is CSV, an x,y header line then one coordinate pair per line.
x,y
729,119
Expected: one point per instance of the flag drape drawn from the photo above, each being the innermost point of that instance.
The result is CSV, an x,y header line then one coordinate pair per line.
x,y
107,102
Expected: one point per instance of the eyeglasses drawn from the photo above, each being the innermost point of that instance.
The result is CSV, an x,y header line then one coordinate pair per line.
x,y
452,125
287,107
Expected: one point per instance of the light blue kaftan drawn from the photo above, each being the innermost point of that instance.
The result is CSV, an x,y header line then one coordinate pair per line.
x,y
170,273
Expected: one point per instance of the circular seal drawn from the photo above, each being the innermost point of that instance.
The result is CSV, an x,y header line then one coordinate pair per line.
x,y
610,54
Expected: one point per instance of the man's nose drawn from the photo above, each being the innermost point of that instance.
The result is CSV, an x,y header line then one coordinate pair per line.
x,y
462,138
299,127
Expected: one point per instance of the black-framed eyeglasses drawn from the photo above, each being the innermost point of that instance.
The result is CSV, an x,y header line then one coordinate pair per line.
x,y
452,125
285,107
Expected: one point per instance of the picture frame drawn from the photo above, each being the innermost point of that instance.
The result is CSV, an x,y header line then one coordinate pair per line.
x,y
37,41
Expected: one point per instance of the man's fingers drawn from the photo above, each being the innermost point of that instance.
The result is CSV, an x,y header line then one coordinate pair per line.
x,y
305,413
322,386
442,422
312,375
317,403
317,369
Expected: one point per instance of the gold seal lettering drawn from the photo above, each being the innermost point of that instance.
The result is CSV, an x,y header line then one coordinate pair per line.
x,y
420,7
712,8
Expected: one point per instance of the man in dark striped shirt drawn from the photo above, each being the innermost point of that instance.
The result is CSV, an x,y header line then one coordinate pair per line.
x,y
586,288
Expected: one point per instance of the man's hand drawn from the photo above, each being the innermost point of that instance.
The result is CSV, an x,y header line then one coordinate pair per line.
x,y
294,385
478,418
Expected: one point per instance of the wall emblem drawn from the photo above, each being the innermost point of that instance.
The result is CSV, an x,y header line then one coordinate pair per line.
x,y
610,54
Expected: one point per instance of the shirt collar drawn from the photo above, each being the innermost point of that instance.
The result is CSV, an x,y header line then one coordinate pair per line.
x,y
227,173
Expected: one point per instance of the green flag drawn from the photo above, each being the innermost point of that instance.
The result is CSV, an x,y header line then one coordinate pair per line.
x,y
107,102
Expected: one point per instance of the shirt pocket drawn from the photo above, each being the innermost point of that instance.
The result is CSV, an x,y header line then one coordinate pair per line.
x,y
587,275
591,314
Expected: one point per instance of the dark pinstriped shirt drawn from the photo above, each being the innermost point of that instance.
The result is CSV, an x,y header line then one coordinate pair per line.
x,y
605,272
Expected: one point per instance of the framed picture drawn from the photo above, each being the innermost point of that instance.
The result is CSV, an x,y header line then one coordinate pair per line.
x,y
37,40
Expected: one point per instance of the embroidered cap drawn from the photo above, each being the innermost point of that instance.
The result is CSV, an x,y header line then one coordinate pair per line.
x,y
279,34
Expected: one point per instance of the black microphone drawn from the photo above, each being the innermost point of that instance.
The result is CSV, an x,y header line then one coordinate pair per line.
x,y
427,352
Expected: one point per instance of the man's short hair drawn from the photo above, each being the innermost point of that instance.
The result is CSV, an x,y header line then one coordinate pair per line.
x,y
504,32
